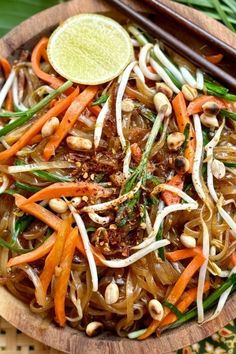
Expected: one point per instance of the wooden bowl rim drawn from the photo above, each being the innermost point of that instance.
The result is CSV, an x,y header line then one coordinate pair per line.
x,y
68,339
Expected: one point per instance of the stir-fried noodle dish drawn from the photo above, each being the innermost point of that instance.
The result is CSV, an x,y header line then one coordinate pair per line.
x,y
118,199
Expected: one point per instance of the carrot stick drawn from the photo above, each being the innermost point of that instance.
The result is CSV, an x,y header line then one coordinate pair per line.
x,y
233,259
53,258
195,106
69,119
189,297
9,102
6,66
96,253
53,221
37,126
36,139
45,55
39,52
183,254
177,290
70,189
95,110
62,280
180,109
214,59
184,279
169,197
39,212
34,255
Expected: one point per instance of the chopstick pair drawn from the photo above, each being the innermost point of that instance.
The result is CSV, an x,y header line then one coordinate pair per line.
x,y
178,46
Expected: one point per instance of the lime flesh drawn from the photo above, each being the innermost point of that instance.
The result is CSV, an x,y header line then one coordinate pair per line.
x,y
89,49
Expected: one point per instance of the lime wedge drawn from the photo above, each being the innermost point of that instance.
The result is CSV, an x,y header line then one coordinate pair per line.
x,y
89,49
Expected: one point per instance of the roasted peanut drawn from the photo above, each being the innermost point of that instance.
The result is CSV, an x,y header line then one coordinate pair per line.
x,y
49,127
175,140
189,92
76,143
58,205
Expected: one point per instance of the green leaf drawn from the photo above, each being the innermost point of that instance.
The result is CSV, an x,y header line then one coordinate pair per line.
x,y
230,164
231,4
27,187
27,115
205,135
222,10
186,138
173,308
100,100
222,14
208,302
15,11
219,91
159,236
21,224
228,114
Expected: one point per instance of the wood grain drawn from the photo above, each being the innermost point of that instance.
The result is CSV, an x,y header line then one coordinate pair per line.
x,y
17,313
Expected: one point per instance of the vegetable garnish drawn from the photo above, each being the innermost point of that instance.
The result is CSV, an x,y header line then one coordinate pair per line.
x,y
117,187
182,118
6,66
37,126
208,302
69,119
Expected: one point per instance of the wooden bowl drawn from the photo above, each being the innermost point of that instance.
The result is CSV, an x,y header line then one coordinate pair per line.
x,y
18,314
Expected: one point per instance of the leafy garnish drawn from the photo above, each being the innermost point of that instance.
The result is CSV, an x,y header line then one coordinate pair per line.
x,y
23,117
209,302
102,99
174,309
228,114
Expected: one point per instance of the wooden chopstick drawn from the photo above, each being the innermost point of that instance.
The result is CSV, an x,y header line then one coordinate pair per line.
x,y
192,28
176,44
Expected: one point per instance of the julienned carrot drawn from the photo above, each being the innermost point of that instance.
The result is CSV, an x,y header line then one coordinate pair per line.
x,y
38,211
45,55
233,259
53,259
6,66
183,254
184,279
70,189
195,106
36,139
177,290
169,197
34,255
62,280
39,52
180,109
150,68
96,253
214,59
69,119
53,221
95,110
188,298
37,126
9,102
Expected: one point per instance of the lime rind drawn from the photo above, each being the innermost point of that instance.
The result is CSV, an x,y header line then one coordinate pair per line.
x,y
90,49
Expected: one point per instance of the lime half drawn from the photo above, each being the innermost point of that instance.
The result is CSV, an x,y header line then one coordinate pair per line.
x,y
89,49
